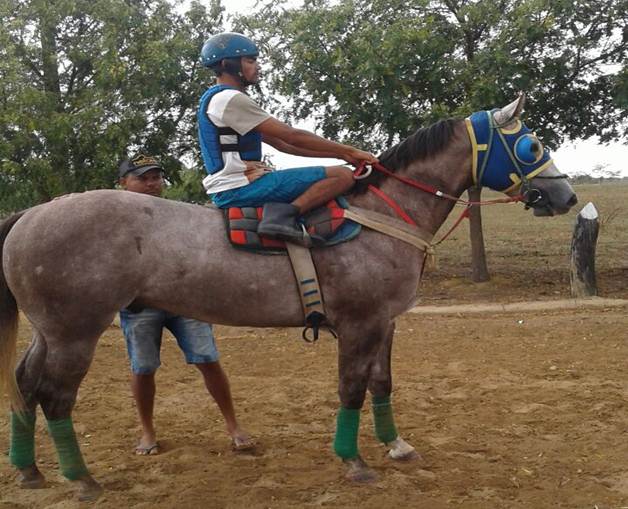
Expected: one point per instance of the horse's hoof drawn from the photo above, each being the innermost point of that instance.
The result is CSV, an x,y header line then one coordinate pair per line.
x,y
400,450
359,471
89,489
31,478
407,457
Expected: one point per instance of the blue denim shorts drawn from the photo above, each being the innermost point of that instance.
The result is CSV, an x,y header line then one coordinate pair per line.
x,y
143,331
278,186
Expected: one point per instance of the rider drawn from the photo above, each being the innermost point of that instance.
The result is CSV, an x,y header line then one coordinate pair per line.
x,y
231,129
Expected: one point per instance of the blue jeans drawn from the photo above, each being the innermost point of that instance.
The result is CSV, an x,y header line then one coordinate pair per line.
x,y
143,331
278,186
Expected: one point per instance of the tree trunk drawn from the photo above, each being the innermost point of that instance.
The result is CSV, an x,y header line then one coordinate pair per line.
x,y
583,243
49,57
60,179
479,269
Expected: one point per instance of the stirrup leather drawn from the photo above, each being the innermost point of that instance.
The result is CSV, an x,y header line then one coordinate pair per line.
x,y
309,290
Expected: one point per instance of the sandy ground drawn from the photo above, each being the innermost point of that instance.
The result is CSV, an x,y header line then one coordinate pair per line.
x,y
522,410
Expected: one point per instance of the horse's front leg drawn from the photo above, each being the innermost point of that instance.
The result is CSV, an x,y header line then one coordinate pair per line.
x,y
64,368
358,346
380,386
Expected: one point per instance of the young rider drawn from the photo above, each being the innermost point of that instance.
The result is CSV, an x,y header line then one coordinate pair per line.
x,y
232,128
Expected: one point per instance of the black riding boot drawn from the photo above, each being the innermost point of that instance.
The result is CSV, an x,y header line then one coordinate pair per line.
x,y
279,221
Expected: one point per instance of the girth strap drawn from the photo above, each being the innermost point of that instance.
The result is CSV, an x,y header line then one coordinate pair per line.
x,y
309,289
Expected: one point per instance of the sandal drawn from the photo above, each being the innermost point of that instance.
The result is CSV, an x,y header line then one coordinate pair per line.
x,y
150,450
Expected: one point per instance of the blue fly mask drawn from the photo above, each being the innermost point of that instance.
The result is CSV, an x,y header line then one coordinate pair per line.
x,y
507,157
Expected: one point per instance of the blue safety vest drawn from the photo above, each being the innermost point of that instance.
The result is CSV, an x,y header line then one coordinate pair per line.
x,y
249,146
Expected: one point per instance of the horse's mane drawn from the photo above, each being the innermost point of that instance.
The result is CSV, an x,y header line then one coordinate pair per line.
x,y
424,142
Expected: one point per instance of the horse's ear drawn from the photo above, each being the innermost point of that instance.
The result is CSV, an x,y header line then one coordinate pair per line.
x,y
521,101
509,113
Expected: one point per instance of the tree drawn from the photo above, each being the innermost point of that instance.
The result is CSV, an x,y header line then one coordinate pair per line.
x,y
371,71
85,82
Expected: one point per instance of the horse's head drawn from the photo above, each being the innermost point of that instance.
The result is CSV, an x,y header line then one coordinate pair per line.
x,y
508,157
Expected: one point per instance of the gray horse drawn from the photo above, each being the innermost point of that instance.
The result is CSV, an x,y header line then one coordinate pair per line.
x,y
71,264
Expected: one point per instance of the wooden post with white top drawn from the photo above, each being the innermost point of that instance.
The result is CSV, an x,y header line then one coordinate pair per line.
x,y
583,243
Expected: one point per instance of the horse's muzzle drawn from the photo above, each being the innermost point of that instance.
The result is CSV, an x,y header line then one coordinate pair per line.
x,y
543,205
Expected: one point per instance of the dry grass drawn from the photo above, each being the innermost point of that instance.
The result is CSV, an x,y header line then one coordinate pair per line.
x,y
528,257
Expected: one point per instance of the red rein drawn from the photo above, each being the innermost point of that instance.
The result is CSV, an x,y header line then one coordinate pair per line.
x,y
428,189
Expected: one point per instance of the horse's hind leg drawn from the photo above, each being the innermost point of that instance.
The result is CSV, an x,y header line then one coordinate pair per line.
x,y
65,366
380,386
22,450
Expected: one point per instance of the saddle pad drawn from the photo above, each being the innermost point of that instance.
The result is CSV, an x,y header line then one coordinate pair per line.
x,y
327,221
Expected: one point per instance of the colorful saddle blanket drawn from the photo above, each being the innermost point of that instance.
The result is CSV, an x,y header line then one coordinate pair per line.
x,y
327,221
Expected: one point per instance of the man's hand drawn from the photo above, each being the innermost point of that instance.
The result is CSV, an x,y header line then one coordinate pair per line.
x,y
356,156
255,170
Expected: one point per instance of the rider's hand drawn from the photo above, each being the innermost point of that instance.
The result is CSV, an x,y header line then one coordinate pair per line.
x,y
255,170
356,156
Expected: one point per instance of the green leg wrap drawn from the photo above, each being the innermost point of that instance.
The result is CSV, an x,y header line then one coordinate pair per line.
x,y
385,430
22,452
347,427
70,458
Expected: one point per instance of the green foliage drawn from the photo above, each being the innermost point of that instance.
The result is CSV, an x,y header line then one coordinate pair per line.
x,y
621,88
372,71
187,187
84,82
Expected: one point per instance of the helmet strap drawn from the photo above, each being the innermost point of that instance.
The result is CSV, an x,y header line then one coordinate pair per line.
x,y
233,66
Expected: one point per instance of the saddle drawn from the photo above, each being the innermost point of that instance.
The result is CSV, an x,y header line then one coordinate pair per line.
x,y
327,222
336,223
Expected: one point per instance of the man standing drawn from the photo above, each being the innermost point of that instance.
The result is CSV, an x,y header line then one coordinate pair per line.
x,y
231,129
143,331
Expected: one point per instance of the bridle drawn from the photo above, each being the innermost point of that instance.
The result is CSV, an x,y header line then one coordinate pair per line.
x,y
364,170
537,198
485,125
529,195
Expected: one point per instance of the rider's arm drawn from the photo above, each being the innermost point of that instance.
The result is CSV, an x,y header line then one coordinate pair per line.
x,y
282,146
307,143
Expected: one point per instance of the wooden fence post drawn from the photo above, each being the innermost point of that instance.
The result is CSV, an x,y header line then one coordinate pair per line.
x,y
583,283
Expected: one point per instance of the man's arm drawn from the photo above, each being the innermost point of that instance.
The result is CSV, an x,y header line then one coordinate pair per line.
x,y
282,146
300,142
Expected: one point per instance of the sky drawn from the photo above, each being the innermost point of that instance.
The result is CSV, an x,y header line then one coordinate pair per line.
x,y
580,156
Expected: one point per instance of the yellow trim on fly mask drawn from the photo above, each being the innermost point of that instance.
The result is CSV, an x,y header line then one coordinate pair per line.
x,y
514,130
475,148
517,181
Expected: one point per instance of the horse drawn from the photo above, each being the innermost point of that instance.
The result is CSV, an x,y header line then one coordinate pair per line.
x,y
72,263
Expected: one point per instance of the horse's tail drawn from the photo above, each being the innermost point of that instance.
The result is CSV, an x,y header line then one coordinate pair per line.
x,y
8,327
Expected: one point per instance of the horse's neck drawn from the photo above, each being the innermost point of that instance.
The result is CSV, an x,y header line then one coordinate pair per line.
x,y
449,172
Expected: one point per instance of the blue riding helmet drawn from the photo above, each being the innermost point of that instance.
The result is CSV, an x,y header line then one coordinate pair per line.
x,y
227,45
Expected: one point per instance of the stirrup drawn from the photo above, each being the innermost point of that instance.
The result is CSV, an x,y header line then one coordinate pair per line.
x,y
315,321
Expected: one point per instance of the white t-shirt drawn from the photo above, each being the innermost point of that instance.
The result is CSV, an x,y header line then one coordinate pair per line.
x,y
232,108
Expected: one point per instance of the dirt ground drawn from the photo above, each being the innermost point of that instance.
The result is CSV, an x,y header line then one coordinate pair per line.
x,y
510,410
